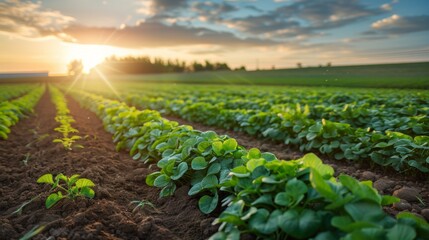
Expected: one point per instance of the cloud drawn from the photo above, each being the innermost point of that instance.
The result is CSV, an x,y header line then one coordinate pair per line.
x,y
212,11
396,24
386,22
386,7
27,19
156,34
163,7
303,17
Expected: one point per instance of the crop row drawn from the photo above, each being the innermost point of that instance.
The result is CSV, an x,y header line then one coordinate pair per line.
x,y
339,140
12,111
266,197
64,118
403,111
8,92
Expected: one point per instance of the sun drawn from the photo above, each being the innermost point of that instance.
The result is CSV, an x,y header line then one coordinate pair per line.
x,y
90,55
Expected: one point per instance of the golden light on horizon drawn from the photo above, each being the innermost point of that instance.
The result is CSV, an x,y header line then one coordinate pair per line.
x,y
91,55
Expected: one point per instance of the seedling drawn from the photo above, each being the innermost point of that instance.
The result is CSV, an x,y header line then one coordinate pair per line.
x,y
27,157
19,210
66,187
141,204
67,142
33,232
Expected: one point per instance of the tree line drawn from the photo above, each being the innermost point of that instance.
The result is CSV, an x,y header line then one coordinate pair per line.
x,y
141,65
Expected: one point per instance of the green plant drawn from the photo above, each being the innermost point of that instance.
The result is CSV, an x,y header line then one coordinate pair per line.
x,y
33,232
65,120
66,187
140,204
18,211
268,198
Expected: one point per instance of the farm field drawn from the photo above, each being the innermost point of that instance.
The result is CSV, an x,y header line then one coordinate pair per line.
x,y
166,161
217,120
401,75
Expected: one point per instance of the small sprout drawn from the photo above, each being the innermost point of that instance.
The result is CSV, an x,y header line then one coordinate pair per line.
x,y
18,211
66,187
33,232
141,204
27,157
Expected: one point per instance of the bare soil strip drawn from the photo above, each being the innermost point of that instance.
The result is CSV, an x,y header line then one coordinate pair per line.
x,y
119,180
413,190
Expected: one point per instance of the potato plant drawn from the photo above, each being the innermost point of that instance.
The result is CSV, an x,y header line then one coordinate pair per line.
x,y
65,120
63,187
12,111
267,197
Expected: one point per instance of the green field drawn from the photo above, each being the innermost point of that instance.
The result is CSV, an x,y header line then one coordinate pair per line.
x,y
406,75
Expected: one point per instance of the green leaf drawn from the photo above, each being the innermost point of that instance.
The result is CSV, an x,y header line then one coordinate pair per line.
x,y
52,199
179,171
87,192
282,199
168,190
199,163
73,179
202,146
47,178
254,163
401,232
195,189
207,203
230,145
214,169
263,222
84,182
209,181
217,147
150,179
388,200
300,225
318,183
161,181
253,153
296,187
364,211
312,161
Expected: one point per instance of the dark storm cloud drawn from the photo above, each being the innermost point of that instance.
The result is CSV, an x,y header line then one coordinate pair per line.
x,y
396,25
156,34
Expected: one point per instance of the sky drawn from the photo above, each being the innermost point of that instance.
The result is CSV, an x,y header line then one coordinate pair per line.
x,y
46,35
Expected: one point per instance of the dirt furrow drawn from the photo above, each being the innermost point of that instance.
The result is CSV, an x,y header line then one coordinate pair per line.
x,y
119,180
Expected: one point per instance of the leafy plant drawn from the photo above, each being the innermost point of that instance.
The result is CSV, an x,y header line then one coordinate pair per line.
x,y
266,197
12,111
65,119
66,187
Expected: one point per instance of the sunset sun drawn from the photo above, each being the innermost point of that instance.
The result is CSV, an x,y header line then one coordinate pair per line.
x,y
91,55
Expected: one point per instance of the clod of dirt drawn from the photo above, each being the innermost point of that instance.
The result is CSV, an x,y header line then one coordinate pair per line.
x,y
368,175
407,193
402,205
383,184
425,214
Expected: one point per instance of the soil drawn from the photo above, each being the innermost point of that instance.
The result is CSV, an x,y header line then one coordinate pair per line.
x,y
118,179
413,190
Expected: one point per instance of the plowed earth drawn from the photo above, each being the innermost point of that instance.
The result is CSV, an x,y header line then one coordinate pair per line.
x,y
119,180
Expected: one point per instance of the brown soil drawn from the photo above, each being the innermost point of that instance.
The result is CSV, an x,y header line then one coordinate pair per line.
x,y
119,180
385,180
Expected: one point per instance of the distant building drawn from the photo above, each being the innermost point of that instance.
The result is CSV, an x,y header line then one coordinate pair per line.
x,y
23,74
